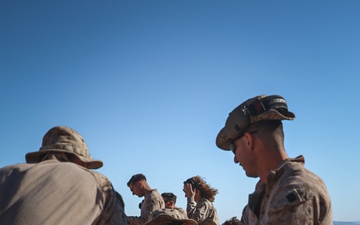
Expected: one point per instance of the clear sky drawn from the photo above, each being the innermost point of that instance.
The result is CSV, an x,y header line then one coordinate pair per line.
x,y
150,83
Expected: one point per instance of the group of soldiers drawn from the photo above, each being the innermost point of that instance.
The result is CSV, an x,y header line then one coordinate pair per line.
x,y
58,184
200,197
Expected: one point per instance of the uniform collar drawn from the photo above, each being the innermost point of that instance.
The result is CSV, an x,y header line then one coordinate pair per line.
x,y
274,174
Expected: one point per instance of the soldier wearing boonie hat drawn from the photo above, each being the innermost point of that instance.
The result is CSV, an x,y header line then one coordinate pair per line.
x,y
56,186
253,110
169,217
64,140
286,193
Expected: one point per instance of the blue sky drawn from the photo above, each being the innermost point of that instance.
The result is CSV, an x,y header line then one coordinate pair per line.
x,y
150,83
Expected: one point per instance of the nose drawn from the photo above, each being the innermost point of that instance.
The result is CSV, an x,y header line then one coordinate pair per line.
x,y
235,160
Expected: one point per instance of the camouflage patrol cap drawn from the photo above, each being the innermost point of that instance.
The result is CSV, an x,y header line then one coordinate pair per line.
x,y
66,140
166,216
253,110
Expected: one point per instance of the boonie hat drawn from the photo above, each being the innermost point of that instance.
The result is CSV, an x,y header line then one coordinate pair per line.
x,y
64,139
259,108
167,216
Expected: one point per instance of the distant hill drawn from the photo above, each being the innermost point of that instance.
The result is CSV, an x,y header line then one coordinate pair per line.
x,y
345,223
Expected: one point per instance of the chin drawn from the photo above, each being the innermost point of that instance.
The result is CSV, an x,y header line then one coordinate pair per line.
x,y
252,176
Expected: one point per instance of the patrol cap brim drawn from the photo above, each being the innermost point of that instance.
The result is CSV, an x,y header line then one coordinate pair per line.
x,y
36,157
253,110
67,140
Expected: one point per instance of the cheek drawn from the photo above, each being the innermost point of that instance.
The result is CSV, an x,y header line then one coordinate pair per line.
x,y
135,191
240,155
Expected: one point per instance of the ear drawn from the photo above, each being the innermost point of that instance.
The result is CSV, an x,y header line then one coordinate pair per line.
x,y
249,140
140,184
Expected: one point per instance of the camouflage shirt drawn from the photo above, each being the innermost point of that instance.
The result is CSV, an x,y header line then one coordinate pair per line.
x,y
152,201
204,212
293,195
181,210
53,192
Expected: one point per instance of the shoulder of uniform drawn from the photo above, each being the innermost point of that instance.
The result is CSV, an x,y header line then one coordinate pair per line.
x,y
101,179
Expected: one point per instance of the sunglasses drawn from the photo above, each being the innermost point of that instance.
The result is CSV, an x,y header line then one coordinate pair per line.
x,y
190,181
231,144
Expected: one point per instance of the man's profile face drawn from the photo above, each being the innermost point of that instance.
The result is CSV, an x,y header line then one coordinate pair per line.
x,y
243,156
135,189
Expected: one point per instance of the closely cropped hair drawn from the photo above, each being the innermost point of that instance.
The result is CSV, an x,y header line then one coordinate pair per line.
x,y
168,197
204,188
269,129
135,178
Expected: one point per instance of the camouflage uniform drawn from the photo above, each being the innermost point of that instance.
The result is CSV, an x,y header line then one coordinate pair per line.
x,y
169,216
152,201
57,192
293,195
181,210
204,212
53,192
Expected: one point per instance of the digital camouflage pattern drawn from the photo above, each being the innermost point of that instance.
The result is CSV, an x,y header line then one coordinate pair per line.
x,y
53,192
67,140
168,216
259,108
181,210
204,213
152,201
293,195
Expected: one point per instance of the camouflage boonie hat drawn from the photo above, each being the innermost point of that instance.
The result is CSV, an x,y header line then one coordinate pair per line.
x,y
66,140
165,216
253,110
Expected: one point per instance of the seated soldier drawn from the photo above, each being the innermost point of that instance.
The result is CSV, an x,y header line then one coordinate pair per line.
x,y
170,201
57,185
